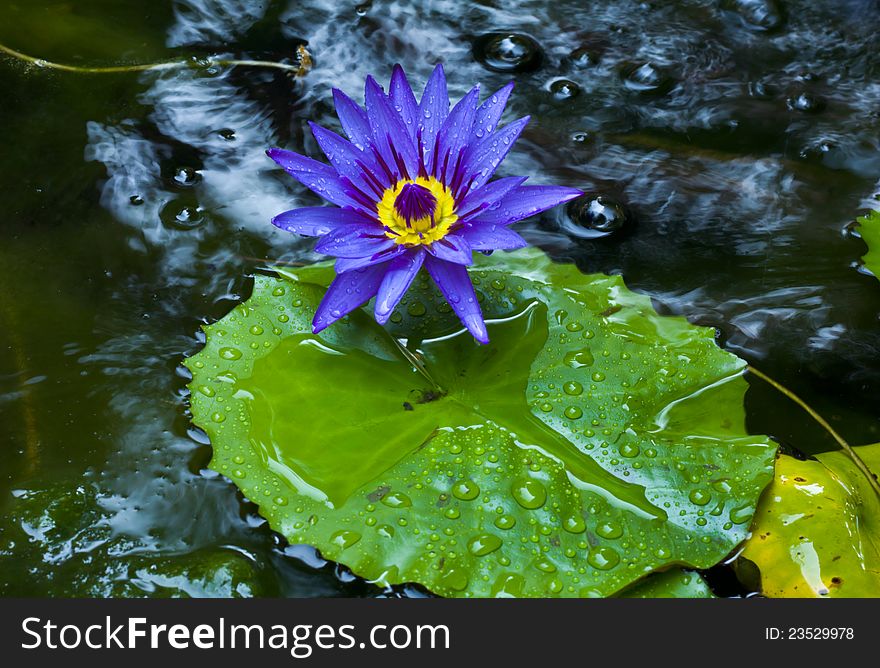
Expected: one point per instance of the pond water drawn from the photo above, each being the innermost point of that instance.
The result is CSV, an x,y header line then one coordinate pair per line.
x,y
726,144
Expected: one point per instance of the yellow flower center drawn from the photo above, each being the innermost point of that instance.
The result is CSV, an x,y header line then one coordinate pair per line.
x,y
405,228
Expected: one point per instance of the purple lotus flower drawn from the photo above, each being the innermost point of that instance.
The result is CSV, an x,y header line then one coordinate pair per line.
x,y
412,188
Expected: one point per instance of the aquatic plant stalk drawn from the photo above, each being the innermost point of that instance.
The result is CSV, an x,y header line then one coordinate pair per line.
x,y
299,70
824,424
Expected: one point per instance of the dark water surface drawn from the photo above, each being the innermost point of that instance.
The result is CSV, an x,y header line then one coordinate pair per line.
x,y
731,142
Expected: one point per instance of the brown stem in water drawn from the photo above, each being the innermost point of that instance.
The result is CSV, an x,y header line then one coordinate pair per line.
x,y
860,464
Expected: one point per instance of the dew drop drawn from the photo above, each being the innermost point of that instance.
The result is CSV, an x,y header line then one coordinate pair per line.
x,y
466,490
741,515
396,500
629,450
573,413
483,544
573,388
610,530
545,566
345,538
455,579
603,558
574,524
577,359
529,493
416,309
721,486
700,497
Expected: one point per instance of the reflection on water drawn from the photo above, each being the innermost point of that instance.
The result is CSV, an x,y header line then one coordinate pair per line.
x,y
209,21
739,137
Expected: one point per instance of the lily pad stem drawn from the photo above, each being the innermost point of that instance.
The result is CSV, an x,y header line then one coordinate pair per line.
x,y
417,362
860,464
298,70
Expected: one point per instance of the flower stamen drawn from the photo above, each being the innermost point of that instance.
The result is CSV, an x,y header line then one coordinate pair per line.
x,y
414,202
417,212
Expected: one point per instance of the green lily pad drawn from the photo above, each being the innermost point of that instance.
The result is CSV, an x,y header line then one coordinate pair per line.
x,y
591,442
817,530
675,583
869,231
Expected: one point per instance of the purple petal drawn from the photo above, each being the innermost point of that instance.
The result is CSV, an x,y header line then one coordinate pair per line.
x,y
482,198
483,158
401,273
525,201
354,241
455,284
452,248
390,136
316,221
345,264
404,101
433,109
353,119
346,293
489,113
454,134
319,178
347,159
488,237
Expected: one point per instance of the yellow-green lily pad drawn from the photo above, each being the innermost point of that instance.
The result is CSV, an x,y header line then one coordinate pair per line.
x,y
869,231
817,530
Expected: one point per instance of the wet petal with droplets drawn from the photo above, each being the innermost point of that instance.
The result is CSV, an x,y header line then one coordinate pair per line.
x,y
346,293
526,201
400,275
316,221
321,179
353,241
455,284
487,237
